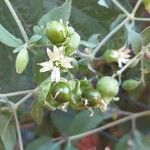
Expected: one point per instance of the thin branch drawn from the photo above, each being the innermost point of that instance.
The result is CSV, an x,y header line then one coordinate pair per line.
x,y
141,19
121,7
137,115
108,36
16,18
136,7
142,69
133,124
18,130
17,93
119,72
23,100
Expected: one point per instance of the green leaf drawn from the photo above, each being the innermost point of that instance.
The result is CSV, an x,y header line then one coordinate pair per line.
x,y
43,90
133,141
35,144
82,122
103,3
87,44
9,39
39,57
7,131
43,143
146,35
2,147
62,120
62,12
16,50
117,21
51,146
134,38
35,38
37,112
69,146
147,5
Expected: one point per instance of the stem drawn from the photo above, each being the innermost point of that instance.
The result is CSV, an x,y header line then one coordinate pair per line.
x,y
17,93
133,124
136,7
137,115
16,18
108,36
142,69
23,100
121,7
119,72
141,19
18,130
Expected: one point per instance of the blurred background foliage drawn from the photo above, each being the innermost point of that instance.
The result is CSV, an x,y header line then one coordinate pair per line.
x,y
88,18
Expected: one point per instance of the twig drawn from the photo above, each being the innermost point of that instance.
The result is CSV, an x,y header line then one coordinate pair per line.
x,y
108,36
17,93
141,19
121,8
119,72
23,100
136,7
142,68
16,18
133,124
137,115
18,130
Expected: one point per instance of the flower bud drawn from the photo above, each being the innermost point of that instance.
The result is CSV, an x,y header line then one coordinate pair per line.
x,y
130,84
22,60
111,56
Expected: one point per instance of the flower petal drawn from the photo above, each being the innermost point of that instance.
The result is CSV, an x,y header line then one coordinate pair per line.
x,y
45,64
56,53
66,65
61,52
49,53
45,69
55,75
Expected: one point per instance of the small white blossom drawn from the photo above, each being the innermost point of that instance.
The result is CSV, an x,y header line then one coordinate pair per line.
x,y
123,56
56,61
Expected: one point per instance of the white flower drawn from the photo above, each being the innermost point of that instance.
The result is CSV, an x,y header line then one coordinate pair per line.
x,y
57,60
122,56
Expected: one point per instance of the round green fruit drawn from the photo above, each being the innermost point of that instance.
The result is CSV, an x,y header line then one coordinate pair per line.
x,y
93,97
111,56
77,106
61,92
56,32
130,84
108,87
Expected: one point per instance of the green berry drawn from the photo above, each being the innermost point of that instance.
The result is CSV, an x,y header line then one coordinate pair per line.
x,y
61,92
130,84
111,56
93,96
56,32
108,87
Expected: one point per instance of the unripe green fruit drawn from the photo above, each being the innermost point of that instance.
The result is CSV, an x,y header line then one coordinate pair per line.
x,y
108,87
111,56
22,60
72,44
93,97
61,92
77,106
130,84
56,32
